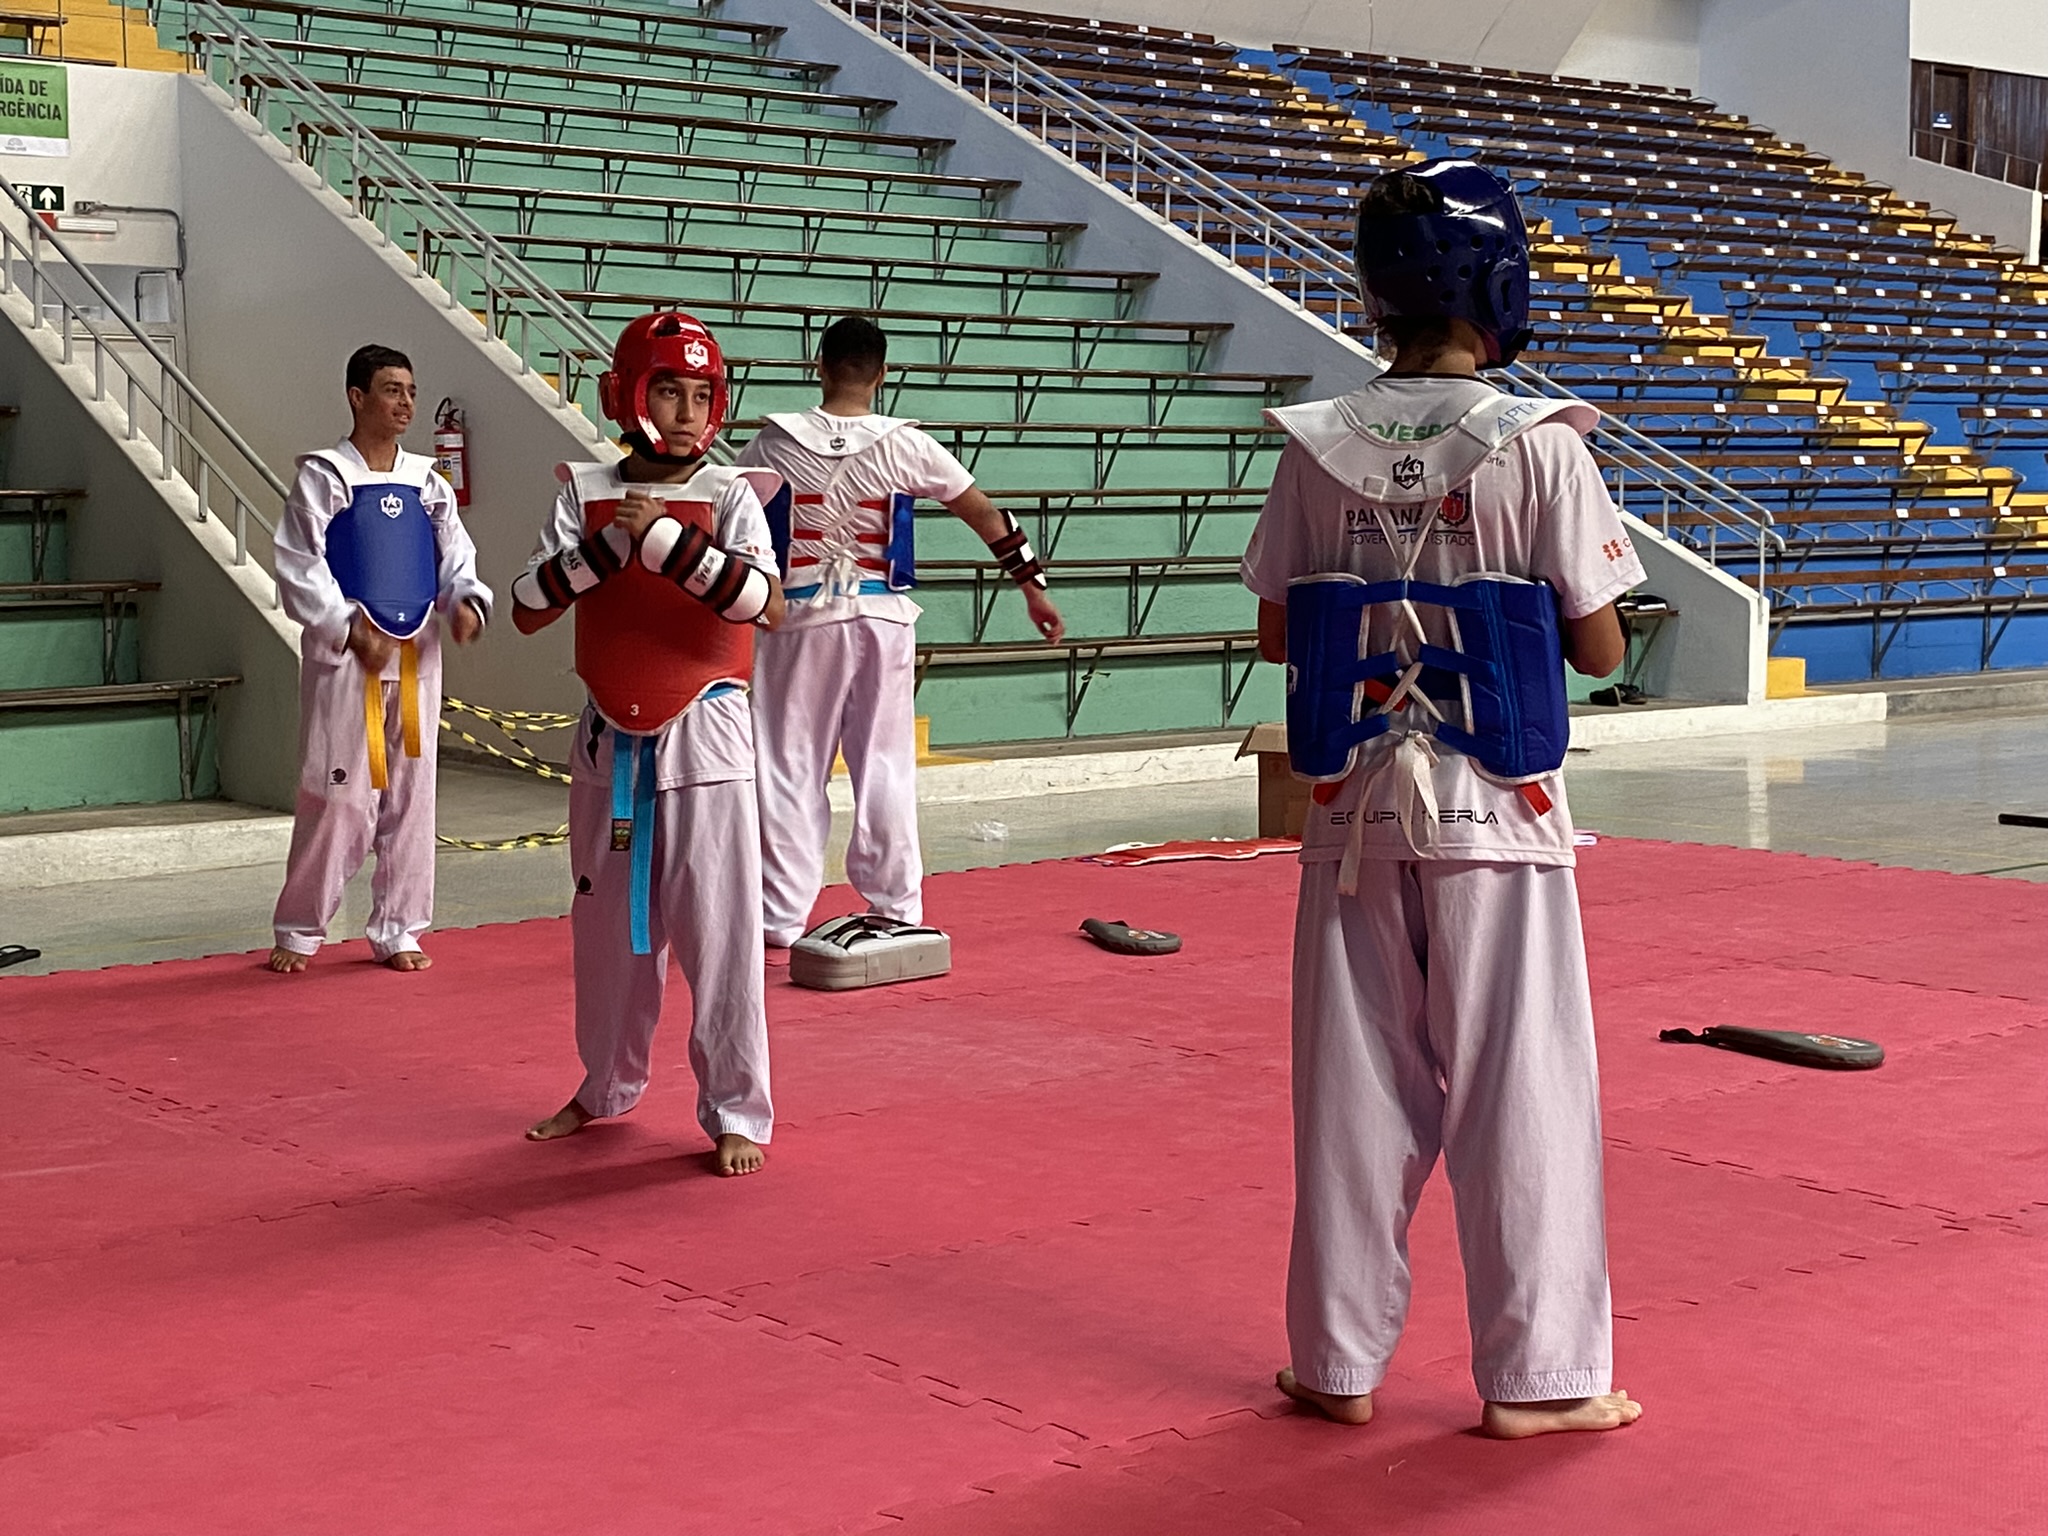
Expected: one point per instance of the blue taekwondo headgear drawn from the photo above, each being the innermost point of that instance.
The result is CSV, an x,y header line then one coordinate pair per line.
x,y
1465,259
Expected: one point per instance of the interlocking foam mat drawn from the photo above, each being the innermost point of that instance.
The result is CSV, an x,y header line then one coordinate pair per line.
x,y
276,1258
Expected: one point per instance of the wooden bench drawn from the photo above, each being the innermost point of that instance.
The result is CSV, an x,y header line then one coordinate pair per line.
x,y
819,135
616,163
677,209
36,27
751,95
185,693
41,508
574,45
880,271
111,600
1236,650
987,580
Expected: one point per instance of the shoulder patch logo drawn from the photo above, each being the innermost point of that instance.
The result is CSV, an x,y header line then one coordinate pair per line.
x,y
393,505
1408,472
837,445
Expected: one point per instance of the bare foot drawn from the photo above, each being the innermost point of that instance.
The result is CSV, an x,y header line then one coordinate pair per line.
x,y
1341,1410
408,960
566,1121
1518,1421
737,1155
287,962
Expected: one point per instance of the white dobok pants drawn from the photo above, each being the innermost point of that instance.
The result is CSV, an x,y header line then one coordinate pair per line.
x,y
703,899
339,819
822,690
1446,1008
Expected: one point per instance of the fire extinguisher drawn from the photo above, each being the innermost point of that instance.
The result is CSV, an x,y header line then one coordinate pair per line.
x,y
451,449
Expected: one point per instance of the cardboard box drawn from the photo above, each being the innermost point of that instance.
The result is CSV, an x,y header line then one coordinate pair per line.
x,y
1283,799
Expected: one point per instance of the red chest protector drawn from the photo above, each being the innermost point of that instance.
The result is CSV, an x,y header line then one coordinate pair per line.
x,y
645,648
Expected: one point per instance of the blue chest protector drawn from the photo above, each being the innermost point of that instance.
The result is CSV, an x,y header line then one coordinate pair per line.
x,y
381,547
1496,693
1507,673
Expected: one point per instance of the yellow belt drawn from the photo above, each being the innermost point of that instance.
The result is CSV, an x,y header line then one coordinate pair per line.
x,y
408,712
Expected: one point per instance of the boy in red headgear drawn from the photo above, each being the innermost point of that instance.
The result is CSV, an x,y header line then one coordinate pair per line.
x,y
669,563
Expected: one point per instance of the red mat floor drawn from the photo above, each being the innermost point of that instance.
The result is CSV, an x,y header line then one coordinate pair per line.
x,y
274,1258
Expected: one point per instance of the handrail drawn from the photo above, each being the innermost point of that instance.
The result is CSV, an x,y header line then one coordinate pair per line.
x,y
472,265
1160,178
1974,155
180,450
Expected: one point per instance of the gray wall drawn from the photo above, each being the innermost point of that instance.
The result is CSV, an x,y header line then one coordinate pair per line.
x,y
124,149
1653,42
212,619
1718,647
1986,34
1836,75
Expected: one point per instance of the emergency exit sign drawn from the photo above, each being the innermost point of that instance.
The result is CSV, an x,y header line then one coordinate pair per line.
x,y
43,198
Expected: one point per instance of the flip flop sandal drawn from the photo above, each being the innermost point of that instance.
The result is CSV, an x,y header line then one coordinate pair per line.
x,y
1120,938
17,954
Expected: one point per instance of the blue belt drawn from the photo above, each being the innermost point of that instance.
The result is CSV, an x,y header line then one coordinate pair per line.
x,y
633,817
871,587
633,824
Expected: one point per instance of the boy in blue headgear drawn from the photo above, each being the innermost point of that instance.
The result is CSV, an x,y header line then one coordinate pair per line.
x,y
1431,553
370,554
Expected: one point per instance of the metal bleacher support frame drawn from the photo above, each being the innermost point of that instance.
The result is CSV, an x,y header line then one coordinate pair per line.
x,y
179,449
1160,178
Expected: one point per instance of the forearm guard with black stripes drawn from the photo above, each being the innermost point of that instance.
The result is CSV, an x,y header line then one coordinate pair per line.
x,y
1016,556
559,580
730,587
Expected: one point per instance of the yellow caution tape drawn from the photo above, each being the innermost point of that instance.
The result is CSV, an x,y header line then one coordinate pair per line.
x,y
509,723
530,840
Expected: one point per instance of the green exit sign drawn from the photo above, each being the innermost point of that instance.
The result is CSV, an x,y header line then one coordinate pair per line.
x,y
43,198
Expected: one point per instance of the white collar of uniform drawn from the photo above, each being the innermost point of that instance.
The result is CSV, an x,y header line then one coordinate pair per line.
x,y
1411,439
347,461
837,437
602,481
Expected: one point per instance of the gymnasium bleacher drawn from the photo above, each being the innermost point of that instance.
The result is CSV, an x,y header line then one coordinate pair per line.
x,y
1691,271
635,157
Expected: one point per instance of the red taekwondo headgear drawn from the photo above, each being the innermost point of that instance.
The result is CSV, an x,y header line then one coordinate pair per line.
x,y
668,341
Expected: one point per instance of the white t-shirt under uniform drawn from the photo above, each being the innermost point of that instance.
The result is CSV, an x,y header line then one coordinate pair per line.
x,y
882,457
1535,508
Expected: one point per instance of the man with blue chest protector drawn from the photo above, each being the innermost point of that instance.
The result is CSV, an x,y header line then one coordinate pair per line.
x,y
1432,553
370,556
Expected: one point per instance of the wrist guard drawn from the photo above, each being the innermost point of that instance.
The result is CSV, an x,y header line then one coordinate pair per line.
x,y
1016,556
558,581
729,586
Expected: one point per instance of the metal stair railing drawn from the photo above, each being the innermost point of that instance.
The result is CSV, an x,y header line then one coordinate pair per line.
x,y
174,403
472,265
1218,213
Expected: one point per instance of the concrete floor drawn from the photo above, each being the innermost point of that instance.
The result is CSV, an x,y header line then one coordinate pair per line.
x,y
170,917
1923,792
